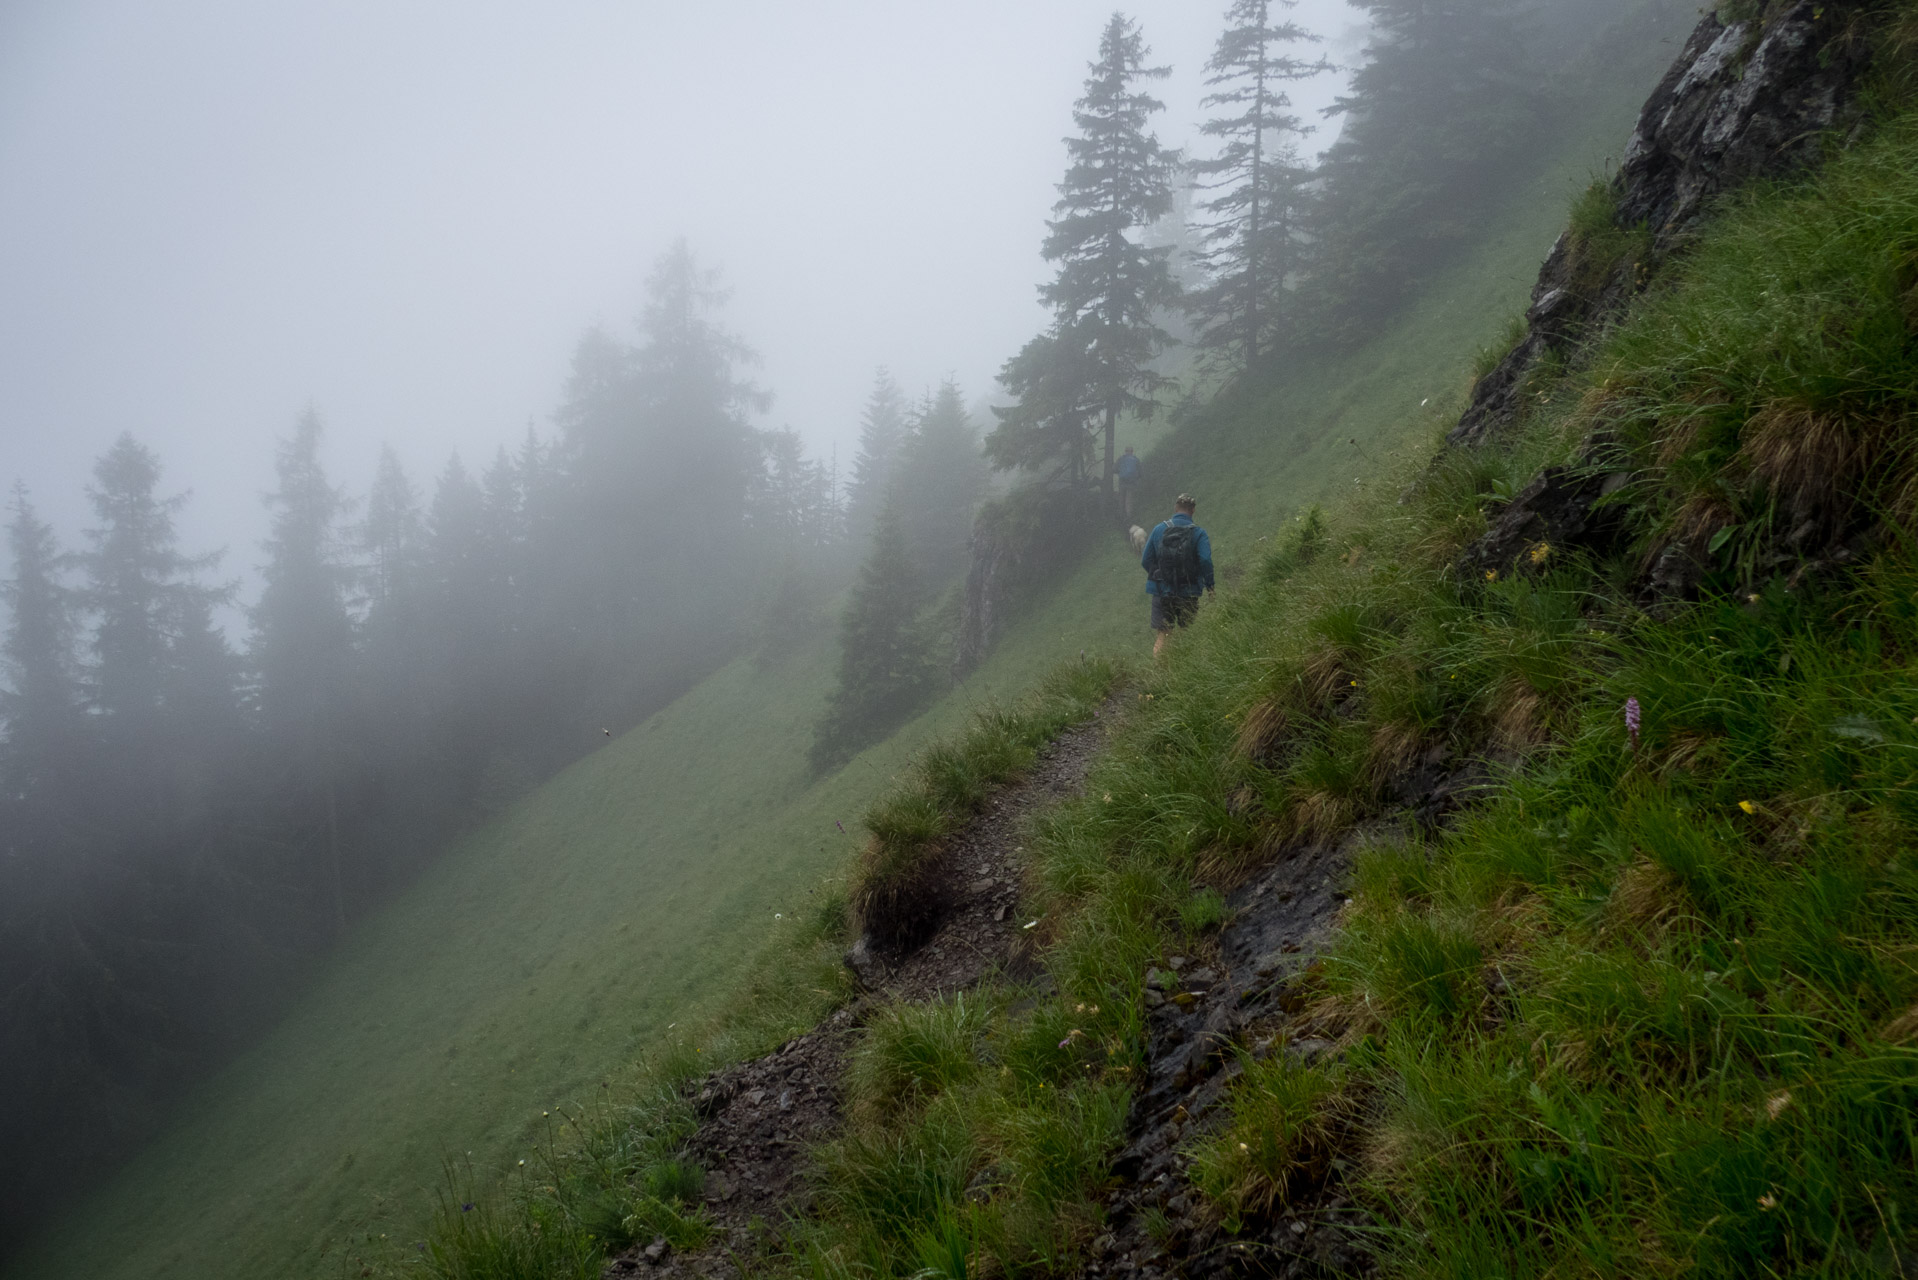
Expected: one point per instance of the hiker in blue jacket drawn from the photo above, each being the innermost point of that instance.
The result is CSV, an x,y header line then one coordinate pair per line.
x,y
1178,566
1129,469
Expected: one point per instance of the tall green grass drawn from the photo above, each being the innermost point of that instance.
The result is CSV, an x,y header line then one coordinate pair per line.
x,y
1650,1007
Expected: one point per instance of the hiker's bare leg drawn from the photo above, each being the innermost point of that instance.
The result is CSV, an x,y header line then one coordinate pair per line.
x,y
1158,643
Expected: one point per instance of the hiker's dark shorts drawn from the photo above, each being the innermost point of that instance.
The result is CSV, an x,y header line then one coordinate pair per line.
x,y
1173,611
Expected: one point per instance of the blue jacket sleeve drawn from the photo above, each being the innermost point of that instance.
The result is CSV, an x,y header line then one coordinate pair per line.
x,y
1205,556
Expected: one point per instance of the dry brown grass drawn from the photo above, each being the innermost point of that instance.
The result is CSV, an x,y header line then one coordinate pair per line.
x,y
1645,903
1810,463
1323,676
1518,716
1394,749
1693,753
1264,728
1901,1029
1676,441
1319,815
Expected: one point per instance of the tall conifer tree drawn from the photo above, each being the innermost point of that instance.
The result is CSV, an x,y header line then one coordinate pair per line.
x,y
882,429
1111,288
940,480
39,703
303,635
1249,247
303,648
884,667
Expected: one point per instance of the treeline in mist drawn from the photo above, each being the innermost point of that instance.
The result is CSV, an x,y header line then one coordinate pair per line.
x,y
184,825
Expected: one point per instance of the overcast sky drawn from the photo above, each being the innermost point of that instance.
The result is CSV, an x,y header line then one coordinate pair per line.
x,y
403,213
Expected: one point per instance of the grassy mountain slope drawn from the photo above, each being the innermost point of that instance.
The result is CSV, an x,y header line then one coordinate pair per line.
x,y
1646,1005
637,888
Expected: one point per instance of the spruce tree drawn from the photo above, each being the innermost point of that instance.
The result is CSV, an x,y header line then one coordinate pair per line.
x,y
303,635
885,669
390,540
940,480
1049,423
137,582
303,652
1251,244
882,429
1111,288
40,700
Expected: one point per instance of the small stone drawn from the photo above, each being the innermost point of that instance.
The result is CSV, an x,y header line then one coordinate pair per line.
x,y
1297,1228
1153,999
1155,979
755,1096
785,1099
656,1250
1177,963
1202,977
1000,914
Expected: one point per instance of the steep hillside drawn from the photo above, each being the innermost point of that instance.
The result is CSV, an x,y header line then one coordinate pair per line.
x,y
1514,877
638,889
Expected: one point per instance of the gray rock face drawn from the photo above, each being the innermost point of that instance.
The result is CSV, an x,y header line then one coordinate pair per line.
x,y
1741,102
1557,512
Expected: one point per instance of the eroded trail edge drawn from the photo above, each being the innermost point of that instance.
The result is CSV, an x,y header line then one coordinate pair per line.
x,y
758,1119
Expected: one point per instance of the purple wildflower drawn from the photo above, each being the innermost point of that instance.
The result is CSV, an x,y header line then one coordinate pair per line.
x,y
1631,720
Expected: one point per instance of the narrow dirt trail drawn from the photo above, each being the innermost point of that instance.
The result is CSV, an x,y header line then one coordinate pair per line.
x,y
758,1119
1243,992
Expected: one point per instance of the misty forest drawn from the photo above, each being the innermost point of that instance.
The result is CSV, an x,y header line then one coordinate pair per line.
x,y
218,762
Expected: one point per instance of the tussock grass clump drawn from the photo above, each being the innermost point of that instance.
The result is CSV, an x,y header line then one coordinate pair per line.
x,y
913,1051
895,894
1277,1137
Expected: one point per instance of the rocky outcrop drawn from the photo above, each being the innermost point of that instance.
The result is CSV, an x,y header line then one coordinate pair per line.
x,y
1742,102
1561,510
1018,543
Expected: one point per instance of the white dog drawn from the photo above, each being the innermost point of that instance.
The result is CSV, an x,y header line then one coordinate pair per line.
x,y
1138,537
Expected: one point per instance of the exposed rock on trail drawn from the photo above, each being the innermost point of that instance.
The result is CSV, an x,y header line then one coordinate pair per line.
x,y
1242,995
758,1118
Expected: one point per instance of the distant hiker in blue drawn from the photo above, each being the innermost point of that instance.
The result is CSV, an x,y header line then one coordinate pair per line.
x,y
1129,469
1178,566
